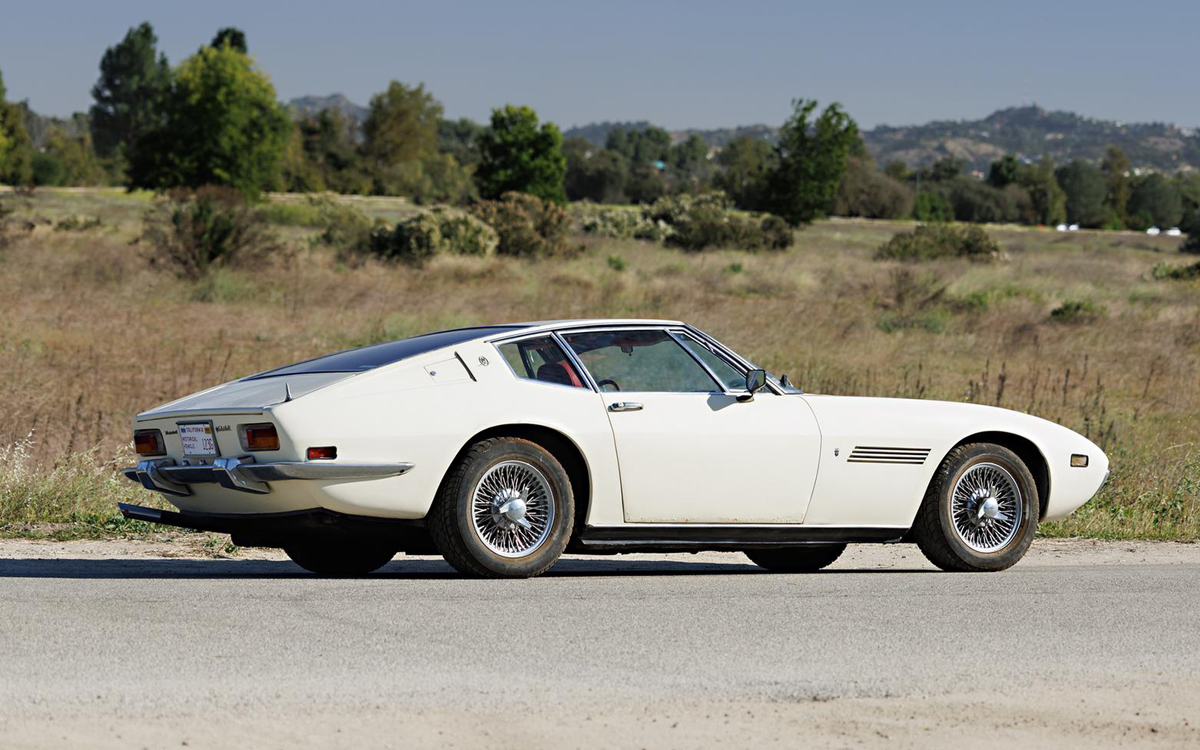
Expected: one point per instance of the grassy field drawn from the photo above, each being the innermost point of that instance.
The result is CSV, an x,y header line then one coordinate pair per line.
x,y
91,333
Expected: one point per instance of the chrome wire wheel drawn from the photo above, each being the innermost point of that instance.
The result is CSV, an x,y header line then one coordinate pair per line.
x,y
986,507
512,509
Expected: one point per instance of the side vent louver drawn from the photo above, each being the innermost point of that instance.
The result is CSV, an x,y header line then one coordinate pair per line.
x,y
869,454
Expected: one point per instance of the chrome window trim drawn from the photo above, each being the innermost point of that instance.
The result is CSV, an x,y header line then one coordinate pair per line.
x,y
588,384
646,327
678,333
746,364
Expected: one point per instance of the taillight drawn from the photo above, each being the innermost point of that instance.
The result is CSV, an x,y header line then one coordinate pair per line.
x,y
325,451
148,443
260,437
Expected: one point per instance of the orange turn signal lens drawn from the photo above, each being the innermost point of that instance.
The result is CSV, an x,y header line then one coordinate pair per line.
x,y
1079,460
260,437
148,443
326,451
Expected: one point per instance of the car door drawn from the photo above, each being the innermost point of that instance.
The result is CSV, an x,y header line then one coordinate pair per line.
x,y
689,450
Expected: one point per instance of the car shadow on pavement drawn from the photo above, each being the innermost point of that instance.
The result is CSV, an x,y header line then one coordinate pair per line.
x,y
399,569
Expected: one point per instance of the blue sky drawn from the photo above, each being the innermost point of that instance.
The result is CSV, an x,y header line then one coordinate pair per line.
x,y
693,64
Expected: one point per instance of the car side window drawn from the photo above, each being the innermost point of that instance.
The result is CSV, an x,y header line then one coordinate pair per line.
x,y
639,361
733,379
541,359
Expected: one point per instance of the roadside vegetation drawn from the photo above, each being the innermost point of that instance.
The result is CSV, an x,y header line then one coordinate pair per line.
x,y
1078,328
225,235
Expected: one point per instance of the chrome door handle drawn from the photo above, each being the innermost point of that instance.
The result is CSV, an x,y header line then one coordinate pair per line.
x,y
624,406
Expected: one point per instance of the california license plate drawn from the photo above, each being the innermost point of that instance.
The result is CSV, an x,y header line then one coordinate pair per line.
x,y
198,439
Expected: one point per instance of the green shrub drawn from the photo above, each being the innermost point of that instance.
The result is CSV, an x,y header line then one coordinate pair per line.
x,y
346,227
1163,271
616,263
527,226
617,223
464,234
1077,311
930,241
192,232
78,223
311,213
441,231
698,222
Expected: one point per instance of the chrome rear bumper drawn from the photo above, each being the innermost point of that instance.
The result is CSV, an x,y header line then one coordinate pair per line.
x,y
245,475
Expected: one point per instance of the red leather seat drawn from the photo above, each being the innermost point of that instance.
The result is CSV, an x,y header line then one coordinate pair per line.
x,y
559,372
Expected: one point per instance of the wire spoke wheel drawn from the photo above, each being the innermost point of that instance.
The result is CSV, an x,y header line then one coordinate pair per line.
x,y
512,509
986,507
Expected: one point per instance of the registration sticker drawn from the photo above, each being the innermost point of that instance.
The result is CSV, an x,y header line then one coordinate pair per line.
x,y
198,439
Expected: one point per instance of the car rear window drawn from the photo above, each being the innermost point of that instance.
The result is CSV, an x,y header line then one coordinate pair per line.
x,y
377,355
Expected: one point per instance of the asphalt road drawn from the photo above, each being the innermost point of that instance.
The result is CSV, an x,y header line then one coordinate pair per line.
x,y
158,650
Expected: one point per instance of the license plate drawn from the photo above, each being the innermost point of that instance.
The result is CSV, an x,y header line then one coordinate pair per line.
x,y
198,439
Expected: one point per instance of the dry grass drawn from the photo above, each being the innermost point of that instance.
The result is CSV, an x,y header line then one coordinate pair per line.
x,y
91,334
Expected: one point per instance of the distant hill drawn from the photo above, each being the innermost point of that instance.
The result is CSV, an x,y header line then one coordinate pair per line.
x,y
1031,132
597,132
310,105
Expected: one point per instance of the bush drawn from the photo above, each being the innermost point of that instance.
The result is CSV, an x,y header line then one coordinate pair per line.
x,y
1076,311
1164,271
617,223
698,222
930,241
527,226
1191,245
193,232
441,231
346,228
78,223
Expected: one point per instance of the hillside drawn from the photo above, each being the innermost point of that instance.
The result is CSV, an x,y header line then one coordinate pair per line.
x,y
1029,132
1032,132
310,105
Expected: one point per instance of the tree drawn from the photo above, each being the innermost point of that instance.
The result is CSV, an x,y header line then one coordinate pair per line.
x,y
744,163
516,154
1085,191
327,143
810,162
867,192
229,36
222,125
1049,200
1116,177
594,174
460,139
649,145
133,79
1004,171
401,126
897,170
16,150
1155,201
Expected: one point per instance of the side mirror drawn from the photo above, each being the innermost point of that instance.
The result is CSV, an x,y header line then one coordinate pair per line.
x,y
756,380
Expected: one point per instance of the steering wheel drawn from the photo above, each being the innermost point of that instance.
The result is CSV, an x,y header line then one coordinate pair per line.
x,y
607,381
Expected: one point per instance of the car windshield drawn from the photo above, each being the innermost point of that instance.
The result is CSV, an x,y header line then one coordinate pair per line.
x,y
377,355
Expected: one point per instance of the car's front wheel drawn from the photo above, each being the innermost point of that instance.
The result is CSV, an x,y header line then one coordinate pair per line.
x,y
981,510
340,558
505,510
796,559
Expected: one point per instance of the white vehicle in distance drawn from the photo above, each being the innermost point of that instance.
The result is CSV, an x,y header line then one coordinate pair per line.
x,y
502,447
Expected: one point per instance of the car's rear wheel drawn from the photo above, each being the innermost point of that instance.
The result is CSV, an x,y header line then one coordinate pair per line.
x,y
981,510
340,557
808,559
505,510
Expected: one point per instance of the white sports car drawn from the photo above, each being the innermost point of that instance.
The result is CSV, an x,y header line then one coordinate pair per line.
x,y
501,447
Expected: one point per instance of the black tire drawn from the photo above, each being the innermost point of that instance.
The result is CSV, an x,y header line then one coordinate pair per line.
x,y
454,532
808,559
340,557
935,532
